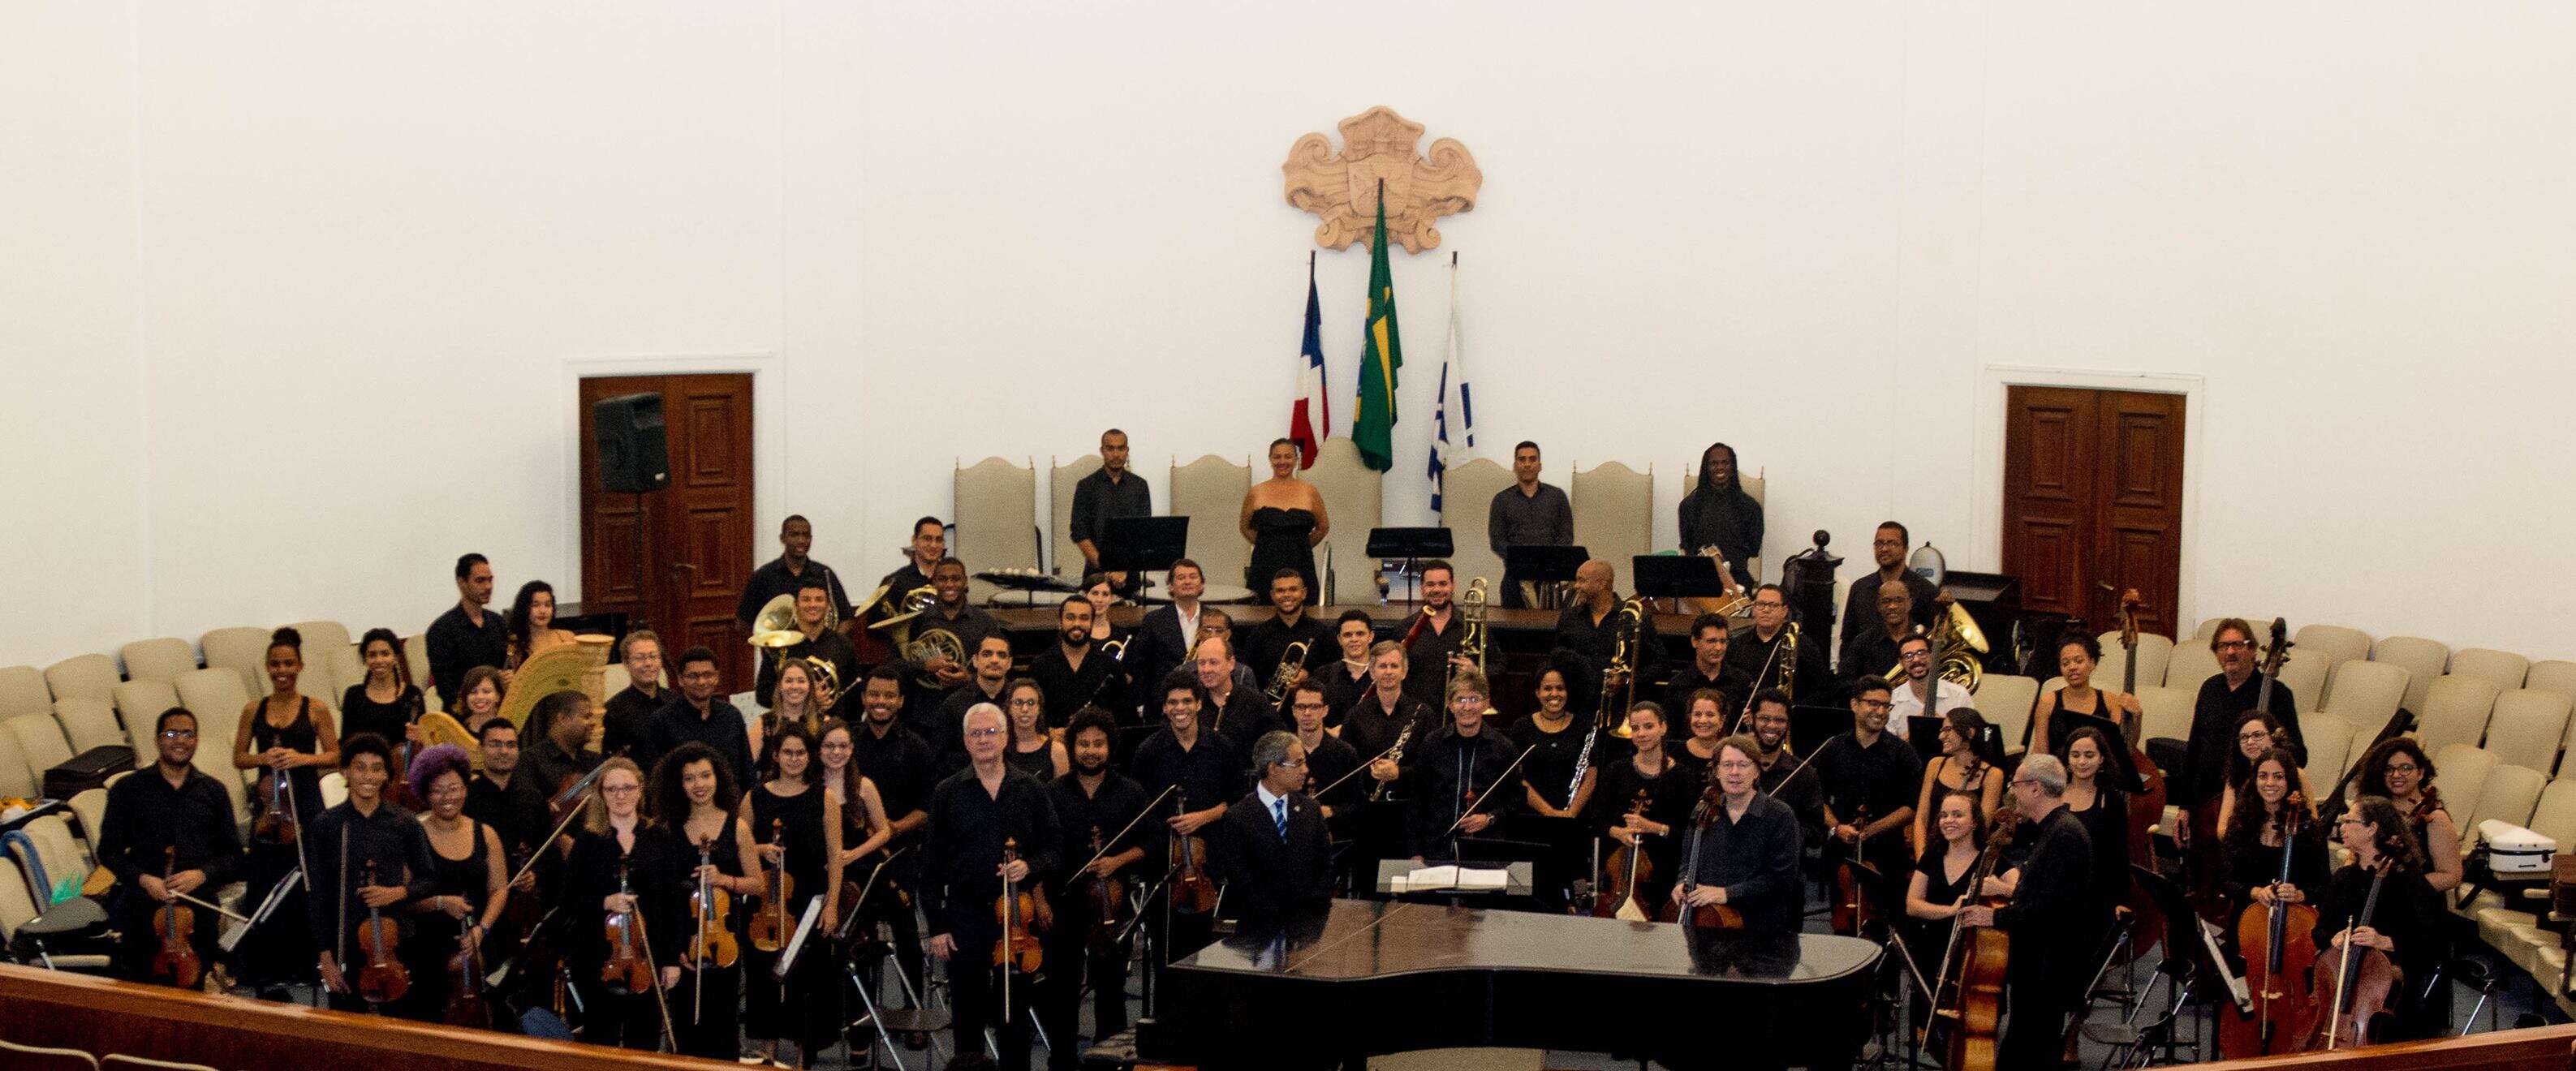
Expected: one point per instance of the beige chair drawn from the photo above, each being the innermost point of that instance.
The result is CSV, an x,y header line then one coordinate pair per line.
x,y
2155,657
1209,491
1467,502
2527,728
1062,478
2465,772
2167,712
40,742
2554,816
89,676
2305,677
23,691
15,778
2504,669
215,696
2364,692
996,519
348,669
242,649
2336,643
2454,711
2330,748
138,705
2192,666
2209,627
88,722
1756,487
615,679
36,1057
67,863
322,637
1614,516
1355,496
2507,793
2007,700
158,660
415,649
89,806
2424,661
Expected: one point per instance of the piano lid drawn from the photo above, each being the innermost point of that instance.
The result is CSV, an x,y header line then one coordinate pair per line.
x,y
1361,939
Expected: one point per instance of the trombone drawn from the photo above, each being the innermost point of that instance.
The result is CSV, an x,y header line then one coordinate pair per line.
x,y
1471,615
1619,678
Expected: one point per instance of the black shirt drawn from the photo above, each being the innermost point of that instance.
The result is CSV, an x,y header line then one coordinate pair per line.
x,y
457,645
1549,769
1750,659
899,762
970,626
831,647
656,873
1369,728
1097,498
2251,863
2213,733
1209,771
1593,641
359,714
964,845
946,730
721,728
1543,518
1427,658
1242,718
1108,813
775,579
1447,774
1329,764
1883,777
553,768
391,839
146,817
1784,779
1725,518
1262,644
1868,654
1755,858
1860,607
899,583
2054,907
517,813
1100,681
1341,689
1688,679
2409,913
624,719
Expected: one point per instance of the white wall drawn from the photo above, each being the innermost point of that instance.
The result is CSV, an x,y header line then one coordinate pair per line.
x,y
309,280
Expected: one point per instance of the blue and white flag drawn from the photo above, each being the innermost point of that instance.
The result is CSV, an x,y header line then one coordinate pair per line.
x,y
1453,378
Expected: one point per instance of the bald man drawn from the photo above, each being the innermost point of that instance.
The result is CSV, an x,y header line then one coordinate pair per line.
x,y
1589,628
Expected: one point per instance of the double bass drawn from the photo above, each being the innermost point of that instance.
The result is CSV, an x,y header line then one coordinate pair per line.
x,y
1628,870
2147,805
176,962
2278,960
1968,993
2352,985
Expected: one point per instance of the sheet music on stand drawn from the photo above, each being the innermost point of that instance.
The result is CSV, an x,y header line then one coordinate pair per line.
x,y
804,929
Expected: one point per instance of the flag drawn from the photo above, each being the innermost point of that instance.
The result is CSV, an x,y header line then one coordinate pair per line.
x,y
1310,418
1453,370
1374,430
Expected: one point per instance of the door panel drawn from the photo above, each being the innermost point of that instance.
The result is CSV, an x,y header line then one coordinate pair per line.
x,y
2093,497
697,539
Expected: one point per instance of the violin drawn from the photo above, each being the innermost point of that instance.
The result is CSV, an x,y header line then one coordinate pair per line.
x,y
1852,907
384,979
1110,911
712,945
465,1004
2278,959
276,822
628,971
2358,980
1023,915
1193,891
1628,870
770,925
1704,916
1972,967
176,962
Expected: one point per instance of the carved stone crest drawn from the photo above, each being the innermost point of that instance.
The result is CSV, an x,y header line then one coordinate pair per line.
x,y
1378,144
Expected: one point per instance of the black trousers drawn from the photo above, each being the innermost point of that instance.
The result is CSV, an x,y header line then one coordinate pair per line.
x,y
625,1022
709,1024
1069,962
2035,1030
975,997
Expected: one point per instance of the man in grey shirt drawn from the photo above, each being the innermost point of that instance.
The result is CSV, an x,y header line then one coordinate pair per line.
x,y
1527,514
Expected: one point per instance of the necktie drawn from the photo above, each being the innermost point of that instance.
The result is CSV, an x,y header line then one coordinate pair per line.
x,y
1279,817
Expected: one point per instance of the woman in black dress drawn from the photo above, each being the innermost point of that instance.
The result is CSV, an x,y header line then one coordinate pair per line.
x,y
617,863
283,734
1283,518
2399,769
465,891
2104,811
2407,921
1939,887
1032,750
783,818
695,797
1554,741
1644,798
386,702
2253,841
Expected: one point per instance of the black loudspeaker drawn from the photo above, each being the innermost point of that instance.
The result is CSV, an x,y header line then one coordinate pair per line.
x,y
634,455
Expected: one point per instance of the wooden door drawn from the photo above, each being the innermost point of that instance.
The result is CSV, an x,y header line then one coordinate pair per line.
x,y
2093,501
695,536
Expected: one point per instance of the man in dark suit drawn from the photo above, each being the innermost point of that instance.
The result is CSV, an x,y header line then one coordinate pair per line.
x,y
1275,856
1167,635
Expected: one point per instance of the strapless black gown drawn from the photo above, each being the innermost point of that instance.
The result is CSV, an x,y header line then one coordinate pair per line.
x,y
1279,541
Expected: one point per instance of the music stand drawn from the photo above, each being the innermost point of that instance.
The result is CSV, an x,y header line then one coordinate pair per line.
x,y
1138,545
1924,732
1812,726
1676,576
1412,545
1544,564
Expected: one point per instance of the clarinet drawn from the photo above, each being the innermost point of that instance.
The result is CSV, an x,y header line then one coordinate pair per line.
x,y
1394,754
1582,763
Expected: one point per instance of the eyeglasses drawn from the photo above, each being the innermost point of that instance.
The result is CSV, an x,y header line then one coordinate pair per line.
x,y
1873,704
978,734
2262,735
2234,645
178,734
620,790
1292,764
2404,767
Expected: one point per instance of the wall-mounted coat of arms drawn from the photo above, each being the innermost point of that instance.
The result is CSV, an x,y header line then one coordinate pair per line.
x,y
1378,144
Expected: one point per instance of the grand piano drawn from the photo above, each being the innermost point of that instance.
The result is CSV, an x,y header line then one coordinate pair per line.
x,y
1374,977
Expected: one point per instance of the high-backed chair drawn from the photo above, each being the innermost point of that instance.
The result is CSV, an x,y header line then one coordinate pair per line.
x,y
242,649
139,703
320,637
1614,516
1467,497
2508,793
2166,712
89,807
2335,643
2305,676
2192,665
1209,491
2454,711
2364,692
2155,656
23,691
40,742
89,676
2465,772
216,697
1355,496
2330,748
346,668
88,722
2007,700
415,649
1756,487
2528,728
16,779
996,518
2424,661
158,660
2504,669
1062,478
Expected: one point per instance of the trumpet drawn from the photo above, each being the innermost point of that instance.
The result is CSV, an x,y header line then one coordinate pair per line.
x,y
1471,615
1291,661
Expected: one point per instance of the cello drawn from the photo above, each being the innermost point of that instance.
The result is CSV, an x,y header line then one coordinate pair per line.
x,y
384,979
176,962
1973,964
1628,870
1852,909
1193,891
2359,980
1712,799
2278,976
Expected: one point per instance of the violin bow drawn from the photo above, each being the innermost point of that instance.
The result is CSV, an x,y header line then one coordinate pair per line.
x,y
643,934
1488,793
1131,826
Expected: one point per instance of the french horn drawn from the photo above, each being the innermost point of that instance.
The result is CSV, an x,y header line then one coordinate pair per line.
x,y
776,625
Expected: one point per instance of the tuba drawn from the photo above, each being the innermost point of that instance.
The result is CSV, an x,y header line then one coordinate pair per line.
x,y
1957,644
1471,615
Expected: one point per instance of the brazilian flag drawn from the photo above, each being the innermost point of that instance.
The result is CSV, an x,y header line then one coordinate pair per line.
x,y
1374,431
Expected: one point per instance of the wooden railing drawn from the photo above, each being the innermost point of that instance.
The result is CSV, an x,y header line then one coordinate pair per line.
x,y
101,1016
2539,1048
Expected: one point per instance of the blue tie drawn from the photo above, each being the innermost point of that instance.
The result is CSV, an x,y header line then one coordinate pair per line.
x,y
1279,817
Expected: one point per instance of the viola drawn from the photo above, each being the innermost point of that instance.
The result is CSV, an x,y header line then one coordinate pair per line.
x,y
384,979
1628,870
770,924
1969,990
628,971
2278,960
2352,984
1852,907
465,1004
276,823
1193,891
712,945
176,962
1023,914
1110,911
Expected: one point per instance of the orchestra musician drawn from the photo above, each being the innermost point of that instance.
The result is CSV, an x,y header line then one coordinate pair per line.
x,y
2077,656
386,702
1554,738
1074,671
805,696
467,884
1783,776
1168,633
972,813
1747,847
900,764
1032,749
856,833
1922,693
1098,591
1284,520
502,797
1526,514
466,635
561,725
2407,922
1111,492
1272,852
697,714
829,646
1216,624
2224,698
1719,514
921,554
2398,769
2254,843
1343,680
990,656
283,734
1329,762
168,832
1870,781
630,711
2103,807
1457,768
2053,907
532,621
951,611
1753,656
1432,639
787,573
1646,773
481,699
1590,623
2256,733
1887,548
1958,768
695,799
1208,773
341,844
1709,669
782,818
613,839
1704,717
1378,718
1265,643
1091,801
1938,890
1234,712
1868,652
